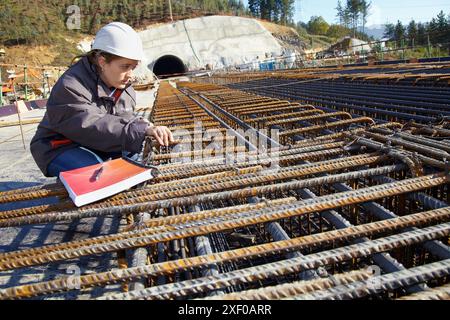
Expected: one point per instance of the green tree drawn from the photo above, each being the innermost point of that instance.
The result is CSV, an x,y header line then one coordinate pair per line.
x,y
343,14
301,28
354,8
286,11
442,26
412,32
389,31
365,12
421,34
253,6
275,9
318,25
399,32
340,13
265,9
337,31
432,30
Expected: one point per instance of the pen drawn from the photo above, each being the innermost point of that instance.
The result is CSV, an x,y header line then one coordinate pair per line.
x,y
98,173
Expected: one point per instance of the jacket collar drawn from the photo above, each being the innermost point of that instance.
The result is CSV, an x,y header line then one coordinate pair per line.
x,y
103,91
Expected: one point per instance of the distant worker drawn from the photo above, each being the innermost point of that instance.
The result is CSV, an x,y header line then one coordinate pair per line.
x,y
90,111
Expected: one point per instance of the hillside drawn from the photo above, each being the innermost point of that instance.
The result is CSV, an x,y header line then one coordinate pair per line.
x,y
26,24
35,32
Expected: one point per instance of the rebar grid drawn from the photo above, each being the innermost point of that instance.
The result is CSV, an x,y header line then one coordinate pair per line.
x,y
338,151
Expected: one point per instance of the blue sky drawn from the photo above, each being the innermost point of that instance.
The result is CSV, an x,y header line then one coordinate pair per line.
x,y
382,10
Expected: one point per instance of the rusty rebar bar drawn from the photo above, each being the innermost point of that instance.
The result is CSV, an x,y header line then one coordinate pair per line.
x,y
315,240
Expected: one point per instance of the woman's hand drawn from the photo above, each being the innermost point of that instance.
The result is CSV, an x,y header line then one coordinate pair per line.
x,y
162,134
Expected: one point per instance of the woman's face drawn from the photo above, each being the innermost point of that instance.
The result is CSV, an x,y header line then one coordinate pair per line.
x,y
117,73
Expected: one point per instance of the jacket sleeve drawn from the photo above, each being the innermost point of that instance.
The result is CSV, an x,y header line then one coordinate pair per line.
x,y
72,113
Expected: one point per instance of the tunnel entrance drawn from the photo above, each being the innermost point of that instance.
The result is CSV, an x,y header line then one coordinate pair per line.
x,y
167,66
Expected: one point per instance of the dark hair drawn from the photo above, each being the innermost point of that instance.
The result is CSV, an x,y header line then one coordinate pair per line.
x,y
93,56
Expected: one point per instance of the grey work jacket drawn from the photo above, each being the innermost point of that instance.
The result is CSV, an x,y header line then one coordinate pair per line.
x,y
80,109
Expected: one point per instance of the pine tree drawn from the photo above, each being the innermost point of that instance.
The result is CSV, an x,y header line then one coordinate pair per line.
x,y
365,12
432,30
343,14
286,11
274,8
241,8
254,7
265,10
421,34
354,9
412,32
399,32
442,28
389,31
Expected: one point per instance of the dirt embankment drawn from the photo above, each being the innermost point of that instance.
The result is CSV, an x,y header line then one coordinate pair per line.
x,y
287,36
30,55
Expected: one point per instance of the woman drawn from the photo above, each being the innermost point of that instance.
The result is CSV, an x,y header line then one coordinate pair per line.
x,y
89,115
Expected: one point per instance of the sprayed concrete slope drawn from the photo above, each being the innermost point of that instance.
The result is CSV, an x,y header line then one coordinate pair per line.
x,y
215,40
208,42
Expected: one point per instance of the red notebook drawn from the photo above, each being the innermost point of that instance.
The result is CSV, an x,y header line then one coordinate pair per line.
x,y
88,184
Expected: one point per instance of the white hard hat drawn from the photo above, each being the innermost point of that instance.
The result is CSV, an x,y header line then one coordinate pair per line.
x,y
11,74
119,39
